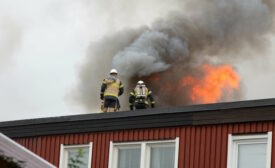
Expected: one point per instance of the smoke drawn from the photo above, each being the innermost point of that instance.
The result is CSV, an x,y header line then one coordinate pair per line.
x,y
211,31
98,65
10,36
147,54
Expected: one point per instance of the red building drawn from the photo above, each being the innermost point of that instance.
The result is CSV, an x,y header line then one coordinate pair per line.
x,y
222,135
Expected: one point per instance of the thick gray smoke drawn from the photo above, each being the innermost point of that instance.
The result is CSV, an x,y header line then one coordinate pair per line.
x,y
148,54
98,65
211,31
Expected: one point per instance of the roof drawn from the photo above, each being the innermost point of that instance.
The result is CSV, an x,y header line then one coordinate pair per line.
x,y
218,113
11,149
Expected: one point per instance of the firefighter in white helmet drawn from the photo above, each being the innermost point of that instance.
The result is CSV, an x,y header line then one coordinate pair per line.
x,y
111,89
139,97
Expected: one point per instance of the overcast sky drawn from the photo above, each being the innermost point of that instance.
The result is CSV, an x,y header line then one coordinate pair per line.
x,y
43,43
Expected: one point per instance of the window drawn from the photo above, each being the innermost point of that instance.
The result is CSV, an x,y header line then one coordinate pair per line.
x,y
249,151
129,157
75,156
150,154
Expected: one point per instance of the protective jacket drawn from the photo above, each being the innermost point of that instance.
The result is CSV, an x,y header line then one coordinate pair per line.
x,y
139,97
111,87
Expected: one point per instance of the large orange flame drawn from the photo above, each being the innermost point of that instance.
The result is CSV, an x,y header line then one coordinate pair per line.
x,y
210,88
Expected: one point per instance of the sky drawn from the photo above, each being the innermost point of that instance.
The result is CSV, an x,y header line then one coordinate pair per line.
x,y
44,43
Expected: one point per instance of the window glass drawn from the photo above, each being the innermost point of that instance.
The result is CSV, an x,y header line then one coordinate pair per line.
x,y
78,157
252,155
162,157
129,158
147,154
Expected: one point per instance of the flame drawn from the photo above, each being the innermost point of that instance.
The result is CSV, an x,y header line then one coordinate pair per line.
x,y
216,81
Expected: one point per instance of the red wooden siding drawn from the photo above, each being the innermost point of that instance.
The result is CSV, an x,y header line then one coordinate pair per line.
x,y
200,146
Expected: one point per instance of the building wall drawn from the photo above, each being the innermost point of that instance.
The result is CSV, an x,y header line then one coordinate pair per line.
x,y
200,146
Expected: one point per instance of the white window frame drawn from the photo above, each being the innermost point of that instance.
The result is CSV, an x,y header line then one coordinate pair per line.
x,y
145,147
63,160
235,140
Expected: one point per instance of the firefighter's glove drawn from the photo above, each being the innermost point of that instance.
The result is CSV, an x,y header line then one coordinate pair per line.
x,y
153,105
131,107
101,96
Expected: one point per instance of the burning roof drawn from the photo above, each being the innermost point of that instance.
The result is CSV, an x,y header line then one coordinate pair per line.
x,y
186,57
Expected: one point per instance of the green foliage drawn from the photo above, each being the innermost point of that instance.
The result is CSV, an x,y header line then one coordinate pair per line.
x,y
76,162
9,162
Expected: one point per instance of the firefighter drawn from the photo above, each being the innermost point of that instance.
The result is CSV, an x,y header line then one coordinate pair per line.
x,y
111,89
139,97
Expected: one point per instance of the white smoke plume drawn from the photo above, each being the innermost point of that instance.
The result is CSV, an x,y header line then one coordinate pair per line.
x,y
173,46
10,37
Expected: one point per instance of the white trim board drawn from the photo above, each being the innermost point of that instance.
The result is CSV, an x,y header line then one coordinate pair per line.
x,y
64,147
145,150
235,140
19,153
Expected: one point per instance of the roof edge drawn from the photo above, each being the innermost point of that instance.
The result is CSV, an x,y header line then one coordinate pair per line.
x,y
163,110
228,112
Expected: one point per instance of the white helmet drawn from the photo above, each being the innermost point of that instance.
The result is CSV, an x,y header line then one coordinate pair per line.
x,y
113,71
140,82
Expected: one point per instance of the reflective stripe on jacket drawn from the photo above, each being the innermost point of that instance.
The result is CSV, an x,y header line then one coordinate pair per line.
x,y
141,95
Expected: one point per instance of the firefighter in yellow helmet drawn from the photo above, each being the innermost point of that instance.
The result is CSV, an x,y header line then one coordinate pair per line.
x,y
139,97
111,88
